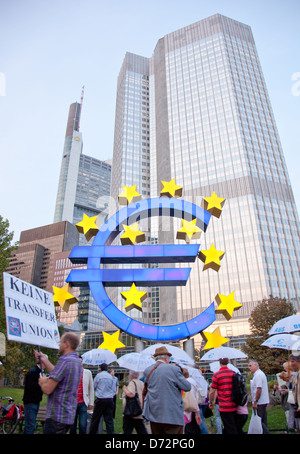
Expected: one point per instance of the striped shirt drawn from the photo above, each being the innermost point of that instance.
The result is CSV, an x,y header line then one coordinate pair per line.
x,y
62,403
80,399
222,382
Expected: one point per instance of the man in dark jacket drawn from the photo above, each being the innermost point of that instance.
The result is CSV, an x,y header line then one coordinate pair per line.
x,y
32,397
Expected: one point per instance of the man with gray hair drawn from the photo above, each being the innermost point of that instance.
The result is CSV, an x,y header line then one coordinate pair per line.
x,y
259,393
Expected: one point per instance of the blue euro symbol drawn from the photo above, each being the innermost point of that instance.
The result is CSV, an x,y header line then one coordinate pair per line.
x,y
101,253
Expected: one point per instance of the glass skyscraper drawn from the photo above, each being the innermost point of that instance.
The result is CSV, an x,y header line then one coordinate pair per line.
x,y
198,111
84,182
84,188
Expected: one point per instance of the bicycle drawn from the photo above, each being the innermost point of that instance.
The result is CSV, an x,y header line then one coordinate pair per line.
x,y
10,415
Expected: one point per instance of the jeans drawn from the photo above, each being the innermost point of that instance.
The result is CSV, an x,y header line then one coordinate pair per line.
x,y
31,411
203,426
218,420
293,422
81,416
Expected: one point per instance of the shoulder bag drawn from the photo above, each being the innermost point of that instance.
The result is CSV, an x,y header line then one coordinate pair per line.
x,y
145,389
132,406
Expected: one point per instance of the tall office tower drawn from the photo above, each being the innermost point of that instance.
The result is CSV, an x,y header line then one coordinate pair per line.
x,y
66,193
84,182
84,188
131,156
212,129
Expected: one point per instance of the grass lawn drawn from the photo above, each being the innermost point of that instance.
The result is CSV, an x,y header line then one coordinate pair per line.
x,y
276,416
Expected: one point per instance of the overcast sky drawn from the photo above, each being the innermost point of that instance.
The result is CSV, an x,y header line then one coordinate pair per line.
x,y
50,49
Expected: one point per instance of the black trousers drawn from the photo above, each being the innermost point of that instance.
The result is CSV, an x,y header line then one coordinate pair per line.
x,y
262,412
229,422
133,423
240,422
105,408
54,427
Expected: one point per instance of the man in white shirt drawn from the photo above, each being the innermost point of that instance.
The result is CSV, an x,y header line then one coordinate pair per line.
x,y
259,393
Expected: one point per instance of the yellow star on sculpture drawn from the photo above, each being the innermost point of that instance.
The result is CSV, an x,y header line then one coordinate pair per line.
x,y
133,298
213,340
129,195
211,258
227,305
132,235
170,189
111,341
63,298
189,231
213,204
88,226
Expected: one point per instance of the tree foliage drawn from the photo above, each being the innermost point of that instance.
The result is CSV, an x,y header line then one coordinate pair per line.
x,y
19,357
262,318
6,249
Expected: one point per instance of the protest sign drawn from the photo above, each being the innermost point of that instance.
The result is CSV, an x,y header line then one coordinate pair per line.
x,y
30,313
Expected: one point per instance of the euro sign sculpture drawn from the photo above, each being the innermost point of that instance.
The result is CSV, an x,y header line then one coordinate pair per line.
x,y
102,252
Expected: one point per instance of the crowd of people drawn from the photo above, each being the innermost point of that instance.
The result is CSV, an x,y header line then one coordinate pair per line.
x,y
171,402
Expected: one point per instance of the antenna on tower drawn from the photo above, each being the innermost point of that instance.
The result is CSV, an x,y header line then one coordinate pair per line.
x,y
82,94
81,102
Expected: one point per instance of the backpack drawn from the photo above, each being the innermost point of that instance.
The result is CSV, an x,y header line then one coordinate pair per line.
x,y
239,390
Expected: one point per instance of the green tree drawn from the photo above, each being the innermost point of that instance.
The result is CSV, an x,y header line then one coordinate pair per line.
x,y
19,357
262,318
6,249
12,351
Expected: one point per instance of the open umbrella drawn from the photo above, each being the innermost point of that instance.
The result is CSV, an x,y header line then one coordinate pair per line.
x,y
135,361
198,377
285,341
223,352
288,324
98,356
178,355
215,366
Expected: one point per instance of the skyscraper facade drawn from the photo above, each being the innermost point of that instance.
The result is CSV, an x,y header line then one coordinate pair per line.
x,y
211,127
131,158
83,188
84,181
33,260
66,192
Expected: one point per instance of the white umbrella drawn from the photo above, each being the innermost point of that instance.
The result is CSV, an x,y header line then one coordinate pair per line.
x,y
288,324
215,366
222,352
285,341
98,356
135,361
178,355
198,377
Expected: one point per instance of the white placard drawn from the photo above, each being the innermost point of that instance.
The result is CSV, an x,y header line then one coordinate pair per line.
x,y
30,313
